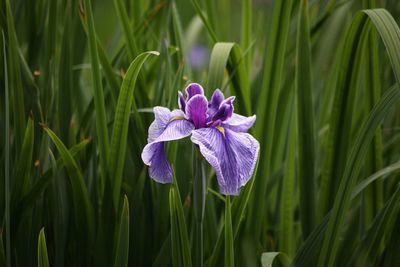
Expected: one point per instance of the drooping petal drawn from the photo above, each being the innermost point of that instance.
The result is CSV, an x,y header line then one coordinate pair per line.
x,y
246,148
167,126
232,155
193,89
196,110
215,102
239,123
181,101
159,168
162,116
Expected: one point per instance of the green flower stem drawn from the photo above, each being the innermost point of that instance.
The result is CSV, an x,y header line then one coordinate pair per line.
x,y
199,200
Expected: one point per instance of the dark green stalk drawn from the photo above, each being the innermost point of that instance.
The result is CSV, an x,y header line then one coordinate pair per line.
x,y
101,118
229,251
199,200
7,158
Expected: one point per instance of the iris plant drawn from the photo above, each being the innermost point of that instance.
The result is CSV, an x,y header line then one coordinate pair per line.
x,y
220,134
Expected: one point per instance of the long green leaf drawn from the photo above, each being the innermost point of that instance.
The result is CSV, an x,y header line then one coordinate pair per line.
x,y
121,121
390,34
20,185
307,253
43,259
286,240
181,256
122,249
83,210
7,187
128,33
40,185
267,107
368,248
2,252
269,258
305,116
15,82
373,200
101,119
205,21
229,250
342,115
239,208
229,55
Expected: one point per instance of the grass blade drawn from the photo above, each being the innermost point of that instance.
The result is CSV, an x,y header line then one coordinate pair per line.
x,y
43,259
82,208
24,166
179,237
7,188
268,259
305,116
121,121
128,33
286,240
390,34
267,106
122,248
229,249
16,95
246,31
228,55
205,21
101,119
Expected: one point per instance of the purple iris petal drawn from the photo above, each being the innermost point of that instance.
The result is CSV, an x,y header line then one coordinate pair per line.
x,y
232,155
162,117
196,110
181,101
215,102
193,89
225,110
219,133
239,123
167,126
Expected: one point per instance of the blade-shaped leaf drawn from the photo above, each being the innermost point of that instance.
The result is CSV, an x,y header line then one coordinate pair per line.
x,y
121,121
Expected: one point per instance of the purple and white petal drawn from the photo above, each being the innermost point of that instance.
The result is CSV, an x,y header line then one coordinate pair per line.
x,y
239,123
217,151
167,126
246,148
193,89
159,168
162,116
181,101
232,155
215,102
224,112
196,110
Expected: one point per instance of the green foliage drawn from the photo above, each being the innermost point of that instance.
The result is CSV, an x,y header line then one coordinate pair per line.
x,y
43,260
77,92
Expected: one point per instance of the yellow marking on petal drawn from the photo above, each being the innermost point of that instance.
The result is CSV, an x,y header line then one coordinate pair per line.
x,y
177,118
222,130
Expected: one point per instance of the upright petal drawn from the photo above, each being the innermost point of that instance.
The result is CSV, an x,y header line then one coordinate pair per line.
x,y
181,101
215,102
232,155
239,123
225,110
196,110
193,89
167,126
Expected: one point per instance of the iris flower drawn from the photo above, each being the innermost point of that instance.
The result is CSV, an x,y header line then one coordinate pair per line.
x,y
220,134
